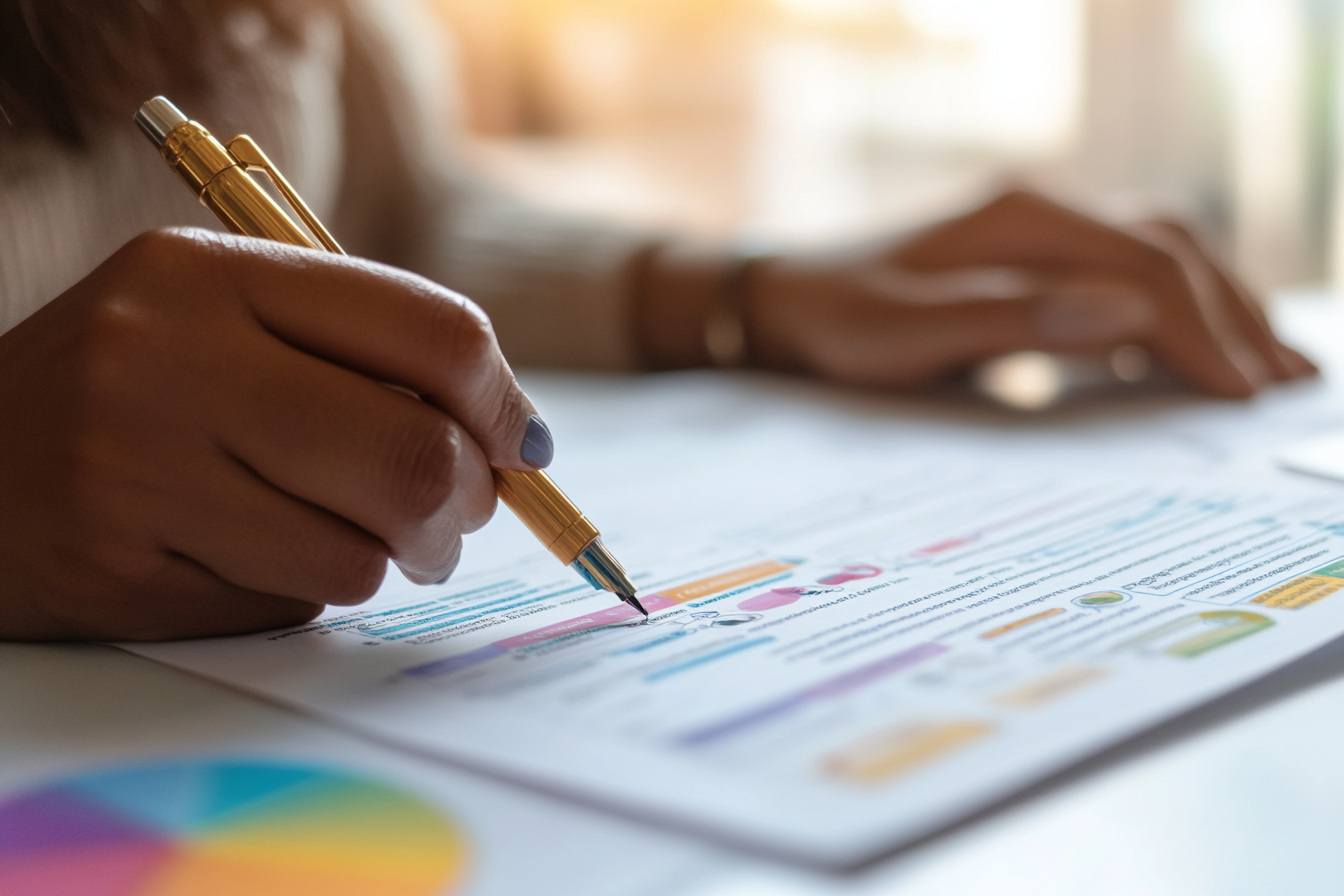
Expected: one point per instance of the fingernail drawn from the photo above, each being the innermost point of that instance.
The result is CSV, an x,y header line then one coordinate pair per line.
x,y
1094,315
538,446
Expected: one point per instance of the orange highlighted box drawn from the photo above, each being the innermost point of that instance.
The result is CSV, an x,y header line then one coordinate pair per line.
x,y
723,581
1302,591
1005,629
1050,687
900,750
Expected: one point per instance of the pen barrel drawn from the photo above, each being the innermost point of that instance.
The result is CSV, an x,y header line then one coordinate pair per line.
x,y
544,509
222,185
246,210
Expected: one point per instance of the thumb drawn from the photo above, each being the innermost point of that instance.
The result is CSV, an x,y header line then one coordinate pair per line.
x,y
494,408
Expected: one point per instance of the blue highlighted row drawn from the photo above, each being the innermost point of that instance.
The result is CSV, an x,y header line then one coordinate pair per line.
x,y
668,671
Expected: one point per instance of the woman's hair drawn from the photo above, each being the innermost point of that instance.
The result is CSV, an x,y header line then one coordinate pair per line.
x,y
67,66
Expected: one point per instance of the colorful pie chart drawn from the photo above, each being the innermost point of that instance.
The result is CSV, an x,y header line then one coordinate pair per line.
x,y
206,827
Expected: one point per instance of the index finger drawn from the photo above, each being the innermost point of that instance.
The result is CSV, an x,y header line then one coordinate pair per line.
x,y
1285,362
393,326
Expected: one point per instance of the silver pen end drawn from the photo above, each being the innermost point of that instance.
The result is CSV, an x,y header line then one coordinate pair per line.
x,y
157,118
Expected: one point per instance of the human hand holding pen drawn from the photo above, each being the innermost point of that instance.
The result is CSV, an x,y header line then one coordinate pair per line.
x,y
198,439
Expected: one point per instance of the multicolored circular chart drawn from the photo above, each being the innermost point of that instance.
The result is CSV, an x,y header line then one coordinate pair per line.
x,y
214,827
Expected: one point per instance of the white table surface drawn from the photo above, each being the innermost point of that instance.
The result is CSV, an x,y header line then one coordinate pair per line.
x,y
1245,796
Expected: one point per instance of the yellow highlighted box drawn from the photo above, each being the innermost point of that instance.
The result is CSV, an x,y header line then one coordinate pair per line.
x,y
1302,591
1005,629
1050,687
889,754
723,581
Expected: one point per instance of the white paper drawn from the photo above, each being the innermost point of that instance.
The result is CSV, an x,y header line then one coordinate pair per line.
x,y
841,658
1319,456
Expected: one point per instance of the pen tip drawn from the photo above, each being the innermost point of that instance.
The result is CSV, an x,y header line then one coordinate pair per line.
x,y
634,602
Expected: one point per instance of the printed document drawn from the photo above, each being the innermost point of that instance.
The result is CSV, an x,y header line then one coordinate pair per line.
x,y
831,672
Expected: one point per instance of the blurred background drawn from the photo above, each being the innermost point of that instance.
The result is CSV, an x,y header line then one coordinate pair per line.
x,y
798,121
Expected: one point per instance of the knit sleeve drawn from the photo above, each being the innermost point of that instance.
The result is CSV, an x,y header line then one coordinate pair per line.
x,y
556,287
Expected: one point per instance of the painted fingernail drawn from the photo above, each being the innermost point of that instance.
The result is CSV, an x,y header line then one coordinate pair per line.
x,y
1094,315
538,446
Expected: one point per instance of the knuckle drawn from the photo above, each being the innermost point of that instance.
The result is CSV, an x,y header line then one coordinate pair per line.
x,y
464,336
480,509
136,329
510,411
166,247
423,467
154,244
121,331
461,331
358,572
115,342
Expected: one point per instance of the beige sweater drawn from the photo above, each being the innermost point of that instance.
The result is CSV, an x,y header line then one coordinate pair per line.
x,y
359,119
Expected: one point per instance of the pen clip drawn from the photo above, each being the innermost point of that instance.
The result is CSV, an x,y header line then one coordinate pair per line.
x,y
249,155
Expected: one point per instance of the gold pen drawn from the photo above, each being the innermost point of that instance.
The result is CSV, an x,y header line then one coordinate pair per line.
x,y
218,175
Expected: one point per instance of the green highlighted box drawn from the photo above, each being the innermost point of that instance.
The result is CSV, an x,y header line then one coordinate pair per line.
x,y
1207,631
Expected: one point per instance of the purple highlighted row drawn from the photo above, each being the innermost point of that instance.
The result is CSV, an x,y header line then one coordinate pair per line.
x,y
454,663
823,690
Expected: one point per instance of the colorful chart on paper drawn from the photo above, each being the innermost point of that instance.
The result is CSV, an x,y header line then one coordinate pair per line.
x,y
207,826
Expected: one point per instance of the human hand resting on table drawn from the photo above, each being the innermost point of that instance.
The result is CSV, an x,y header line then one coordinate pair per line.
x,y
198,440
1019,273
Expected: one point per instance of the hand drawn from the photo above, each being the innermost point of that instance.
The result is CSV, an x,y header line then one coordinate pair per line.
x,y
196,439
1020,273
